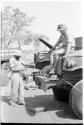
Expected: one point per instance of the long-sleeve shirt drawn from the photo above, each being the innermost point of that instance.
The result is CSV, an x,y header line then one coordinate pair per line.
x,y
65,41
16,65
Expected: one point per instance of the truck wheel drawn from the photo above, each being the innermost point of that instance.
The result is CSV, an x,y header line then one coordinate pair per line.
x,y
5,66
60,94
75,99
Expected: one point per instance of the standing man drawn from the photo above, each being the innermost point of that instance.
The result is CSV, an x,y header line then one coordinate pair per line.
x,y
17,85
62,47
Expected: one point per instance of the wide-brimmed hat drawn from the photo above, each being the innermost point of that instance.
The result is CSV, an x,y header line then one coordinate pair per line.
x,y
61,27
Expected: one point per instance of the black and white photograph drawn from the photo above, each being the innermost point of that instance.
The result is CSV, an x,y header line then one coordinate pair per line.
x,y
41,69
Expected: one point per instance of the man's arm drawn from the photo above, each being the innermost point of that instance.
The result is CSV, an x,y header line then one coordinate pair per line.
x,y
23,62
56,44
71,43
15,66
18,68
59,46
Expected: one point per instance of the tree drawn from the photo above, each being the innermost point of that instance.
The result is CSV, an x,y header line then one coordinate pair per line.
x,y
14,23
28,37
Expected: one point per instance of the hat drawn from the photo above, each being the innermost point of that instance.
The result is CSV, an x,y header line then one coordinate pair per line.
x,y
61,27
17,53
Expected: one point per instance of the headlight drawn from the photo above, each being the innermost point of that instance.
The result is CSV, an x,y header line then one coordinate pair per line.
x,y
41,56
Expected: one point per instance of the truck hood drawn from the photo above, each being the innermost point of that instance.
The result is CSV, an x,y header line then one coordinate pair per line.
x,y
74,60
76,53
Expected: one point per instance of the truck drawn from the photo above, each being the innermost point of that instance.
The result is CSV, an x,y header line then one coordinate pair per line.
x,y
41,59
5,54
70,86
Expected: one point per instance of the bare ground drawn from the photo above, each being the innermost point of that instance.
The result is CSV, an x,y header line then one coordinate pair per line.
x,y
56,111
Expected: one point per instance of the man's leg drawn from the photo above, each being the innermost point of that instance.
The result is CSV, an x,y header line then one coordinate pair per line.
x,y
21,91
54,56
51,61
51,65
55,62
58,65
58,61
14,87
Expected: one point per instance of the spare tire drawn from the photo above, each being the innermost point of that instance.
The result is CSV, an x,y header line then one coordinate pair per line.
x,y
75,99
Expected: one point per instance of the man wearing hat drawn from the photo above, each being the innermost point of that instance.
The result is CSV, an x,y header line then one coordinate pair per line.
x,y
62,47
17,85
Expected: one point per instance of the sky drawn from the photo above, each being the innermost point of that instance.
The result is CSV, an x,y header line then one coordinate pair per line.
x,y
49,14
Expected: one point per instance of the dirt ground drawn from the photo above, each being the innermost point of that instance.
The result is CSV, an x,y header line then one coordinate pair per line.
x,y
56,111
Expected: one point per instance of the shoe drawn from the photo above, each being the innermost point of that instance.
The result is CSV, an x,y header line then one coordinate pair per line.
x,y
21,102
12,102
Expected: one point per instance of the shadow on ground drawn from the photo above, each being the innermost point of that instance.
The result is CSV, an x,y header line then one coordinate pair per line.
x,y
5,99
47,101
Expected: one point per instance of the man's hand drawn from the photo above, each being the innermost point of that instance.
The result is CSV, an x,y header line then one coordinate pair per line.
x,y
65,56
50,51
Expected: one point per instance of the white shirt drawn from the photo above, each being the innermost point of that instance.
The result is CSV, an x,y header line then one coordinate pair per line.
x,y
16,64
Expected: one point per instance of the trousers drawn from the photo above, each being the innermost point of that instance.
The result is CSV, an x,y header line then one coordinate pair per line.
x,y
56,60
17,87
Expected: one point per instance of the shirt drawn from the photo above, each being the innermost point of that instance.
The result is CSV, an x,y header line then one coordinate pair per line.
x,y
15,64
66,38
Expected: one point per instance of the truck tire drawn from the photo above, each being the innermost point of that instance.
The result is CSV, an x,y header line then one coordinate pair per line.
x,y
60,94
5,66
75,99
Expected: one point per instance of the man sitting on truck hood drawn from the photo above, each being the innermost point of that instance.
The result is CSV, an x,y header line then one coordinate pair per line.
x,y
62,47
